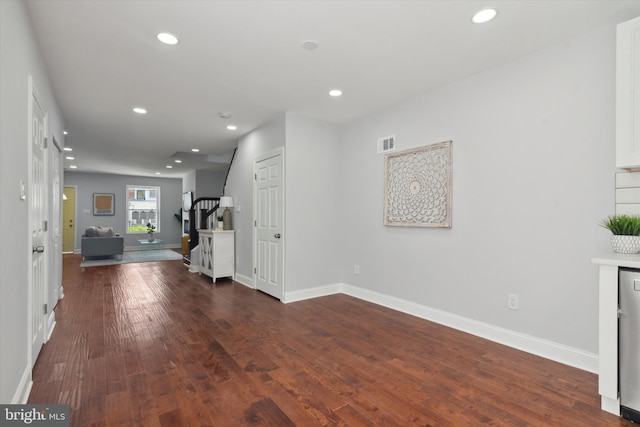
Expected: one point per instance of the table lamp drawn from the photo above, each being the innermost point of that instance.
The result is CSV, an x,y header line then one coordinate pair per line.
x,y
226,202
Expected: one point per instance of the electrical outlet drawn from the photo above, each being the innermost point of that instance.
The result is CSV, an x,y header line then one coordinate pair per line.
x,y
512,301
356,269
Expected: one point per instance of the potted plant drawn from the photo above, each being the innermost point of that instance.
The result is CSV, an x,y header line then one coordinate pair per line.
x,y
220,224
150,229
626,233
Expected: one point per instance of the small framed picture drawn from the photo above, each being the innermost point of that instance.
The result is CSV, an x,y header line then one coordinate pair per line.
x,y
103,204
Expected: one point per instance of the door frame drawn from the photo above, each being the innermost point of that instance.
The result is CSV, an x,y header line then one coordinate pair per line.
x,y
273,153
75,216
54,291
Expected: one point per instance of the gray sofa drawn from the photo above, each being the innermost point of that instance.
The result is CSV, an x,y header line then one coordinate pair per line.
x,y
101,242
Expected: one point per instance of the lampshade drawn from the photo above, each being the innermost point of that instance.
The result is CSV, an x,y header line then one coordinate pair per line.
x,y
226,202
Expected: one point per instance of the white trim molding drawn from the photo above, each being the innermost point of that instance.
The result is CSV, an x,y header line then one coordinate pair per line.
x,y
21,395
548,349
244,280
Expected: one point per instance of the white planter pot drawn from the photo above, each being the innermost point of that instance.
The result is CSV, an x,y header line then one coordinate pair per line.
x,y
625,244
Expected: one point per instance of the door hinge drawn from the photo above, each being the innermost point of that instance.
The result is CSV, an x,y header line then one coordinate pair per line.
x,y
45,225
46,308
45,143
255,176
254,270
255,223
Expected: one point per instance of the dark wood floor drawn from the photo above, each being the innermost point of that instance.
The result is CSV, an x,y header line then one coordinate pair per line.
x,y
153,345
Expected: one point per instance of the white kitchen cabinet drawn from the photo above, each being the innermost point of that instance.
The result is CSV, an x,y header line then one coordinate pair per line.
x,y
628,94
608,386
217,253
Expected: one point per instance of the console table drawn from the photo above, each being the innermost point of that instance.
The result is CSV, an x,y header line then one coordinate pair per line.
x,y
217,253
608,386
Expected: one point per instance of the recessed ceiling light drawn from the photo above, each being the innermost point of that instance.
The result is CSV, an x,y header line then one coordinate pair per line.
x,y
310,44
335,92
157,173
73,167
139,110
178,161
70,158
65,132
68,149
224,115
167,38
484,15
232,127
195,150
169,167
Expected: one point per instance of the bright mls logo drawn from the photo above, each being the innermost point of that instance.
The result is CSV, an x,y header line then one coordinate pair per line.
x,y
34,415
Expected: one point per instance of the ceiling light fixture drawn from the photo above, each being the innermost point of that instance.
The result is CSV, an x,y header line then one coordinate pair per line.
x,y
169,167
195,150
484,15
232,127
157,173
65,132
73,167
335,92
139,110
68,149
167,38
310,44
70,158
178,161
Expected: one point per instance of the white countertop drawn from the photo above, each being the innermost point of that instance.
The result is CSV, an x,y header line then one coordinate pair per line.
x,y
620,260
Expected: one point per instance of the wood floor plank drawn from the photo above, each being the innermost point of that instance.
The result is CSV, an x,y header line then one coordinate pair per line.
x,y
154,345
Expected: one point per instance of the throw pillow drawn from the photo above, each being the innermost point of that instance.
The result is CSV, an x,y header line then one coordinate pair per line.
x,y
105,231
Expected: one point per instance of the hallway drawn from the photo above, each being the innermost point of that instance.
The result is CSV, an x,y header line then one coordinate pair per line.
x,y
151,344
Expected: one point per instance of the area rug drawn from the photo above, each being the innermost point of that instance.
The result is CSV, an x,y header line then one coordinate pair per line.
x,y
133,257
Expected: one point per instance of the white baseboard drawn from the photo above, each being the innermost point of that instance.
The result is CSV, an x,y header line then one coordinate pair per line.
x,y
51,324
550,350
21,395
244,280
319,291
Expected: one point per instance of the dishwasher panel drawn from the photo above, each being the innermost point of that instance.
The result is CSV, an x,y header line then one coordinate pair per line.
x,y
629,344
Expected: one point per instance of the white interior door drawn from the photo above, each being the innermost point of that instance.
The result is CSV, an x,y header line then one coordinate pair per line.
x,y
37,216
54,284
269,223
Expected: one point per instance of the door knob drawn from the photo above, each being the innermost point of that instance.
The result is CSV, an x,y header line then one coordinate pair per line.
x,y
39,249
277,235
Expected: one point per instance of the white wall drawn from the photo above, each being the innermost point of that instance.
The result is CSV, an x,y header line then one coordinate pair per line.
x,y
19,58
240,187
189,182
89,183
209,183
314,212
533,164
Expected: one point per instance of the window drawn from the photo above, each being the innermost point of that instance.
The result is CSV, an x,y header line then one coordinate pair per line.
x,y
143,207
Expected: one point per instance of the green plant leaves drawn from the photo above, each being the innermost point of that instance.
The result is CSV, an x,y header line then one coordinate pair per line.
x,y
622,225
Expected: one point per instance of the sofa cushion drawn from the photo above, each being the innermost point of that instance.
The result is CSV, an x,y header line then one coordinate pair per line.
x,y
105,231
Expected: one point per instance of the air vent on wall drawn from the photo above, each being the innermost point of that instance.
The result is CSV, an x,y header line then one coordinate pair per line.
x,y
387,143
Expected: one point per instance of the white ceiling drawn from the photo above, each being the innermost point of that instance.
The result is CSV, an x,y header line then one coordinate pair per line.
x,y
246,58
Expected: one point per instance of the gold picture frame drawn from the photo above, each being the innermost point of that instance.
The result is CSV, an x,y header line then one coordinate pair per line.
x,y
103,204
